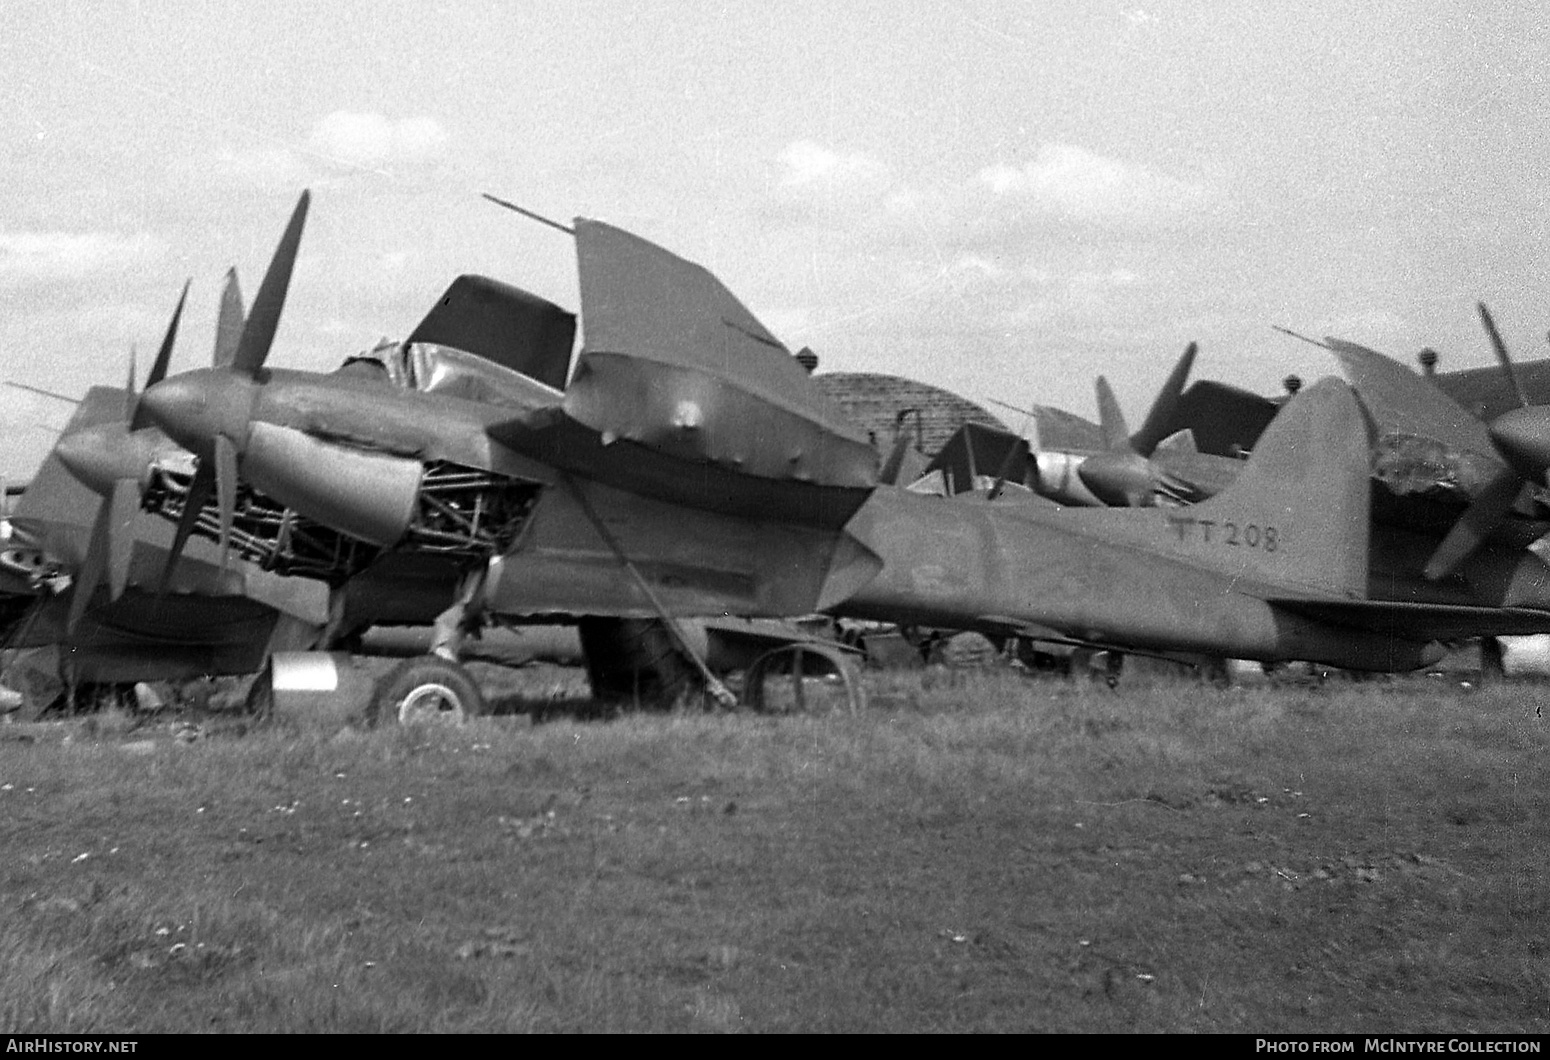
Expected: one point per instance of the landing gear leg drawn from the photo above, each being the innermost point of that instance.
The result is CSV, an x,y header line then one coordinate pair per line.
x,y
1492,670
1113,666
453,624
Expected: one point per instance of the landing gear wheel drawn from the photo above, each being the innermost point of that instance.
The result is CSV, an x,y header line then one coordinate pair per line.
x,y
805,679
1104,665
427,690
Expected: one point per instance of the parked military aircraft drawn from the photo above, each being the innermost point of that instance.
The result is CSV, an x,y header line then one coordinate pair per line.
x,y
690,468
1436,456
83,565
76,630
1086,464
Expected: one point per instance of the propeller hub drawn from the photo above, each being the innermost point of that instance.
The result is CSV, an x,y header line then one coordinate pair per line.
x,y
1522,436
196,407
105,454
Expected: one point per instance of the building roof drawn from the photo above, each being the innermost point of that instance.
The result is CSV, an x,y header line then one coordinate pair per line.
x,y
874,402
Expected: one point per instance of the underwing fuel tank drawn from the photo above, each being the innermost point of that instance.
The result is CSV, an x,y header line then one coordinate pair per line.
x,y
367,495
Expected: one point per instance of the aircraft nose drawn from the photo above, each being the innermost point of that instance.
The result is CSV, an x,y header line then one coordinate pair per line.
x,y
100,456
1523,437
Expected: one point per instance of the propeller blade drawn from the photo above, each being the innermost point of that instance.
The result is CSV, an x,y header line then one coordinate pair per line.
x,y
199,491
164,355
1501,354
122,506
258,331
1482,516
136,419
131,398
1160,419
1116,435
226,489
89,576
228,325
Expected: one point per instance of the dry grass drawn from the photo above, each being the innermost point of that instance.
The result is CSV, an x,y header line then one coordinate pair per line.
x,y
974,853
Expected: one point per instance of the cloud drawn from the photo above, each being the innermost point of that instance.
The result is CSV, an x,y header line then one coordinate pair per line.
x,y
28,258
1072,183
277,167
818,184
807,164
372,140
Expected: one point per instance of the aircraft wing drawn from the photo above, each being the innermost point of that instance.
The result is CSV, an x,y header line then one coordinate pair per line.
x,y
1225,420
682,395
672,360
1401,402
1427,443
1487,393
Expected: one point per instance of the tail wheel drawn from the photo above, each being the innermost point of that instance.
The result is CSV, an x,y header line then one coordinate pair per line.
x,y
636,660
427,690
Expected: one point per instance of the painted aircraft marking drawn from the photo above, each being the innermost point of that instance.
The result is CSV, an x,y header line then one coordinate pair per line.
x,y
1227,533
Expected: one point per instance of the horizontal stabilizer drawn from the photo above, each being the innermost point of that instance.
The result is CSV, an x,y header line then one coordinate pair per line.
x,y
1422,621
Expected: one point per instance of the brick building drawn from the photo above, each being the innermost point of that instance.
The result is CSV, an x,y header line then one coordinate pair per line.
x,y
874,401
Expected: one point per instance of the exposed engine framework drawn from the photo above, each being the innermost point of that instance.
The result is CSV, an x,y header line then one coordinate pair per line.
x,y
459,512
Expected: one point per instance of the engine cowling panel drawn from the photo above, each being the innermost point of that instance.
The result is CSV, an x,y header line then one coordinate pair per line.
x,y
365,495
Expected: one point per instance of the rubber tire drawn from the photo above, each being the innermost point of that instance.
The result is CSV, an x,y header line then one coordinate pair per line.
x,y
965,651
636,661
426,678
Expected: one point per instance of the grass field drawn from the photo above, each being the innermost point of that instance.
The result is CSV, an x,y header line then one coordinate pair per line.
x,y
974,853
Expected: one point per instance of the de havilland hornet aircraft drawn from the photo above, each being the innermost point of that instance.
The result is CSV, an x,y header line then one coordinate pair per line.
x,y
691,468
1085,464
1437,457
86,565
385,481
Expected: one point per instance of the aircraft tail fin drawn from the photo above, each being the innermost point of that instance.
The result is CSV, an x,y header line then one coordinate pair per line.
x,y
1299,512
1295,520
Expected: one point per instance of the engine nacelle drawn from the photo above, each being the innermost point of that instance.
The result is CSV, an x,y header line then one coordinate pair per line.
x,y
365,495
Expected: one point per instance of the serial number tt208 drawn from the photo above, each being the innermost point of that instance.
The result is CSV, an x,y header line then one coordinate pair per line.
x,y
1225,533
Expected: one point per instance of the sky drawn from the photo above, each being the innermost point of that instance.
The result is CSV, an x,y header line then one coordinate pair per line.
x,y
1003,198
